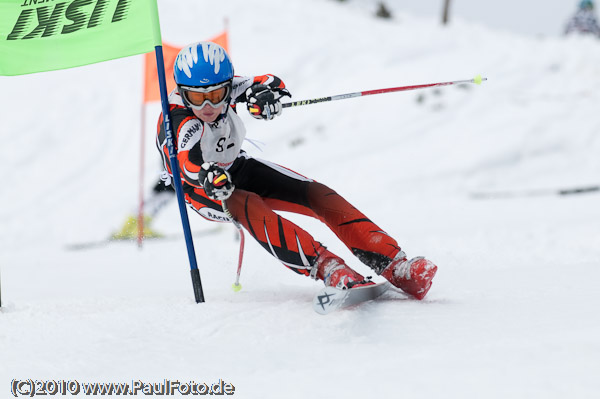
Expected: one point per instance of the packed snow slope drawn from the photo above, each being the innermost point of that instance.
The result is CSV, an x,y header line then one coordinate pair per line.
x,y
513,311
531,17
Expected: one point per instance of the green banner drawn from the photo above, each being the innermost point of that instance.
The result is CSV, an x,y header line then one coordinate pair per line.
x,y
45,35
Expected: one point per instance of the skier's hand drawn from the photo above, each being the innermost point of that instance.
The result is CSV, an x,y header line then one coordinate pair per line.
x,y
263,101
216,181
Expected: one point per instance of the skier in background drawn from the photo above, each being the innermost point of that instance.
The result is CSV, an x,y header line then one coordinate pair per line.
x,y
161,194
221,181
584,21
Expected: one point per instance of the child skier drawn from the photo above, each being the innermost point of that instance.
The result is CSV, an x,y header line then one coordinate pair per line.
x,y
220,180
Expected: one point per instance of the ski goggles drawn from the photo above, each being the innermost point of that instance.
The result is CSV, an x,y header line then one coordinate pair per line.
x,y
198,97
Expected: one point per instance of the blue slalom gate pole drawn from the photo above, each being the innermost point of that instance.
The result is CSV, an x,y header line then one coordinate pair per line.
x,y
176,181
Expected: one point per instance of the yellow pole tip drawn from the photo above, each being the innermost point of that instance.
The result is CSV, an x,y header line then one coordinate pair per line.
x,y
478,79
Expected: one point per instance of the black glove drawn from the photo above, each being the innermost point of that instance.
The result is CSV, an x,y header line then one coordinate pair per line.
x,y
216,181
263,101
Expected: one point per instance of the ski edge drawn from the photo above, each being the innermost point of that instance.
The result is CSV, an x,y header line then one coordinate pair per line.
x,y
108,241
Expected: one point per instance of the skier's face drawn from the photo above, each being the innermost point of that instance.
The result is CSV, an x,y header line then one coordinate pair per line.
x,y
208,113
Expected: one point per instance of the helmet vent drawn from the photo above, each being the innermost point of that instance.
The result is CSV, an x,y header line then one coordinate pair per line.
x,y
187,58
213,54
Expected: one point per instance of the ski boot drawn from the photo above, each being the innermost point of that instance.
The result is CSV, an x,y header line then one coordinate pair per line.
x,y
335,273
411,276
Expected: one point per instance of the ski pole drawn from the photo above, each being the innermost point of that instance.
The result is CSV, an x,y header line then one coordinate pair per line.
x,y
535,192
477,80
236,286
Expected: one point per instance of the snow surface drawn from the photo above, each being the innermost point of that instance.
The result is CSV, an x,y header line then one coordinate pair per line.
x,y
530,17
514,309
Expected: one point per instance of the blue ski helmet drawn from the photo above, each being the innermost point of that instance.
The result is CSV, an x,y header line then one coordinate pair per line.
x,y
202,65
586,4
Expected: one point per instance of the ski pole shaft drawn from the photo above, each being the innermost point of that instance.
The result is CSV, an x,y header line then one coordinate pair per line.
x,y
240,256
477,80
236,286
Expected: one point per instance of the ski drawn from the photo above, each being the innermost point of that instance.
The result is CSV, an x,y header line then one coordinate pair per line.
x,y
331,298
109,241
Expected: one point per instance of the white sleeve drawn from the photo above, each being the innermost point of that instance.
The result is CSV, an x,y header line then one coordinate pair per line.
x,y
239,86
